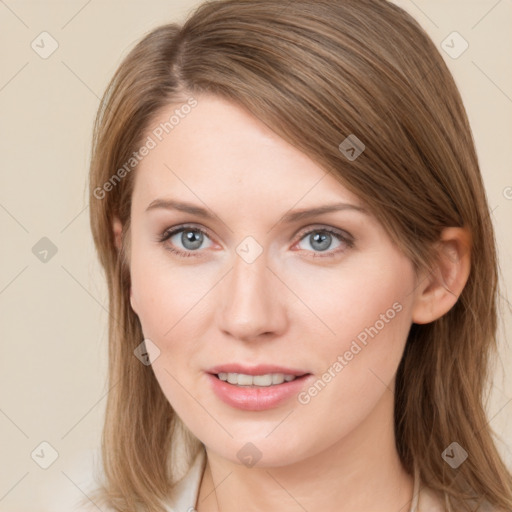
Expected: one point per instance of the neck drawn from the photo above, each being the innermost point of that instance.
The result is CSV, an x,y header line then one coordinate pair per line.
x,y
362,472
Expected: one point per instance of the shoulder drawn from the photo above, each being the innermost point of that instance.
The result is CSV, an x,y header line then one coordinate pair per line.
x,y
185,492
91,499
183,497
430,501
93,507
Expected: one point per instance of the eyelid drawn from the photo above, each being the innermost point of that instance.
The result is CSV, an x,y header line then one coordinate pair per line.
x,y
324,227
174,230
171,231
344,237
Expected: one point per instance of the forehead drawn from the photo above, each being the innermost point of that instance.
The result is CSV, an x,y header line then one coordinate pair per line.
x,y
220,153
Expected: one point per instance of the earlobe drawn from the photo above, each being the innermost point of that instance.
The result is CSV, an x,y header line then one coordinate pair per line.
x,y
439,291
132,301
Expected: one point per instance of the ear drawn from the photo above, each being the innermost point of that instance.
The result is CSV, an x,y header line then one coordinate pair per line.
x,y
438,292
117,228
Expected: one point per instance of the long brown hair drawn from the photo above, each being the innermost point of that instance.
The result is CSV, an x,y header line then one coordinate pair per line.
x,y
315,72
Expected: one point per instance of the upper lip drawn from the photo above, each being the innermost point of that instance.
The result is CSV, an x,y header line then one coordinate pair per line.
x,y
259,369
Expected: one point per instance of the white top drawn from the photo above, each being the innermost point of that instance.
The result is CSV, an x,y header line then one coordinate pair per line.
x,y
186,491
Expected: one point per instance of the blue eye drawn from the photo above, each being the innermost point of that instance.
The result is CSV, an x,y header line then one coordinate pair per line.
x,y
191,239
320,240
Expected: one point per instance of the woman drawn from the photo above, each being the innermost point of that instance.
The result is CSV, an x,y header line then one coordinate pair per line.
x,y
287,204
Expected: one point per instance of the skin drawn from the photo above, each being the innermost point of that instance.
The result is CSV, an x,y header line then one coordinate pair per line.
x,y
337,452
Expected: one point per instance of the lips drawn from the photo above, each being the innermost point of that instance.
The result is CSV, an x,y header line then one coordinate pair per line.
x,y
259,394
260,369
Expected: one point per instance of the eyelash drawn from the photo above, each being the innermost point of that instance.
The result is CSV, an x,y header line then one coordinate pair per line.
x,y
168,233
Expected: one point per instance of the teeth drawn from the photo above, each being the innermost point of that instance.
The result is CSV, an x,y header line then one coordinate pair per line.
x,y
269,379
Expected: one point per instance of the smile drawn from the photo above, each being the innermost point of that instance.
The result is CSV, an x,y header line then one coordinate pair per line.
x,y
268,379
257,392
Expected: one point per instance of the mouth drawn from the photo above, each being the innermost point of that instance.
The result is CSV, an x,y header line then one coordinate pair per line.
x,y
256,388
257,381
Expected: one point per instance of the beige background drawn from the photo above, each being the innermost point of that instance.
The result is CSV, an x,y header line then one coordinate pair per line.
x,y
54,313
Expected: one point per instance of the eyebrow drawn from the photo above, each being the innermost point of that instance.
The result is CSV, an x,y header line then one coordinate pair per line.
x,y
290,217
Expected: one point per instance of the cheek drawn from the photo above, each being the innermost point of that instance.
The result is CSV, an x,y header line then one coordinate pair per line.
x,y
168,304
355,299
368,314
165,296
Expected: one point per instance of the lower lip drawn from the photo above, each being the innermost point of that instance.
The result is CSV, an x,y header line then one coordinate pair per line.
x,y
256,398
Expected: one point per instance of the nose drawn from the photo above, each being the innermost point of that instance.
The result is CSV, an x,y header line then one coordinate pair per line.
x,y
252,301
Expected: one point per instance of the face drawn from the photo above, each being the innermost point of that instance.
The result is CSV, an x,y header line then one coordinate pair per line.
x,y
248,286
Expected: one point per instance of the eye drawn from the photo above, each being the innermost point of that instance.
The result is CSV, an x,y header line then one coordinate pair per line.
x,y
191,239
320,240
